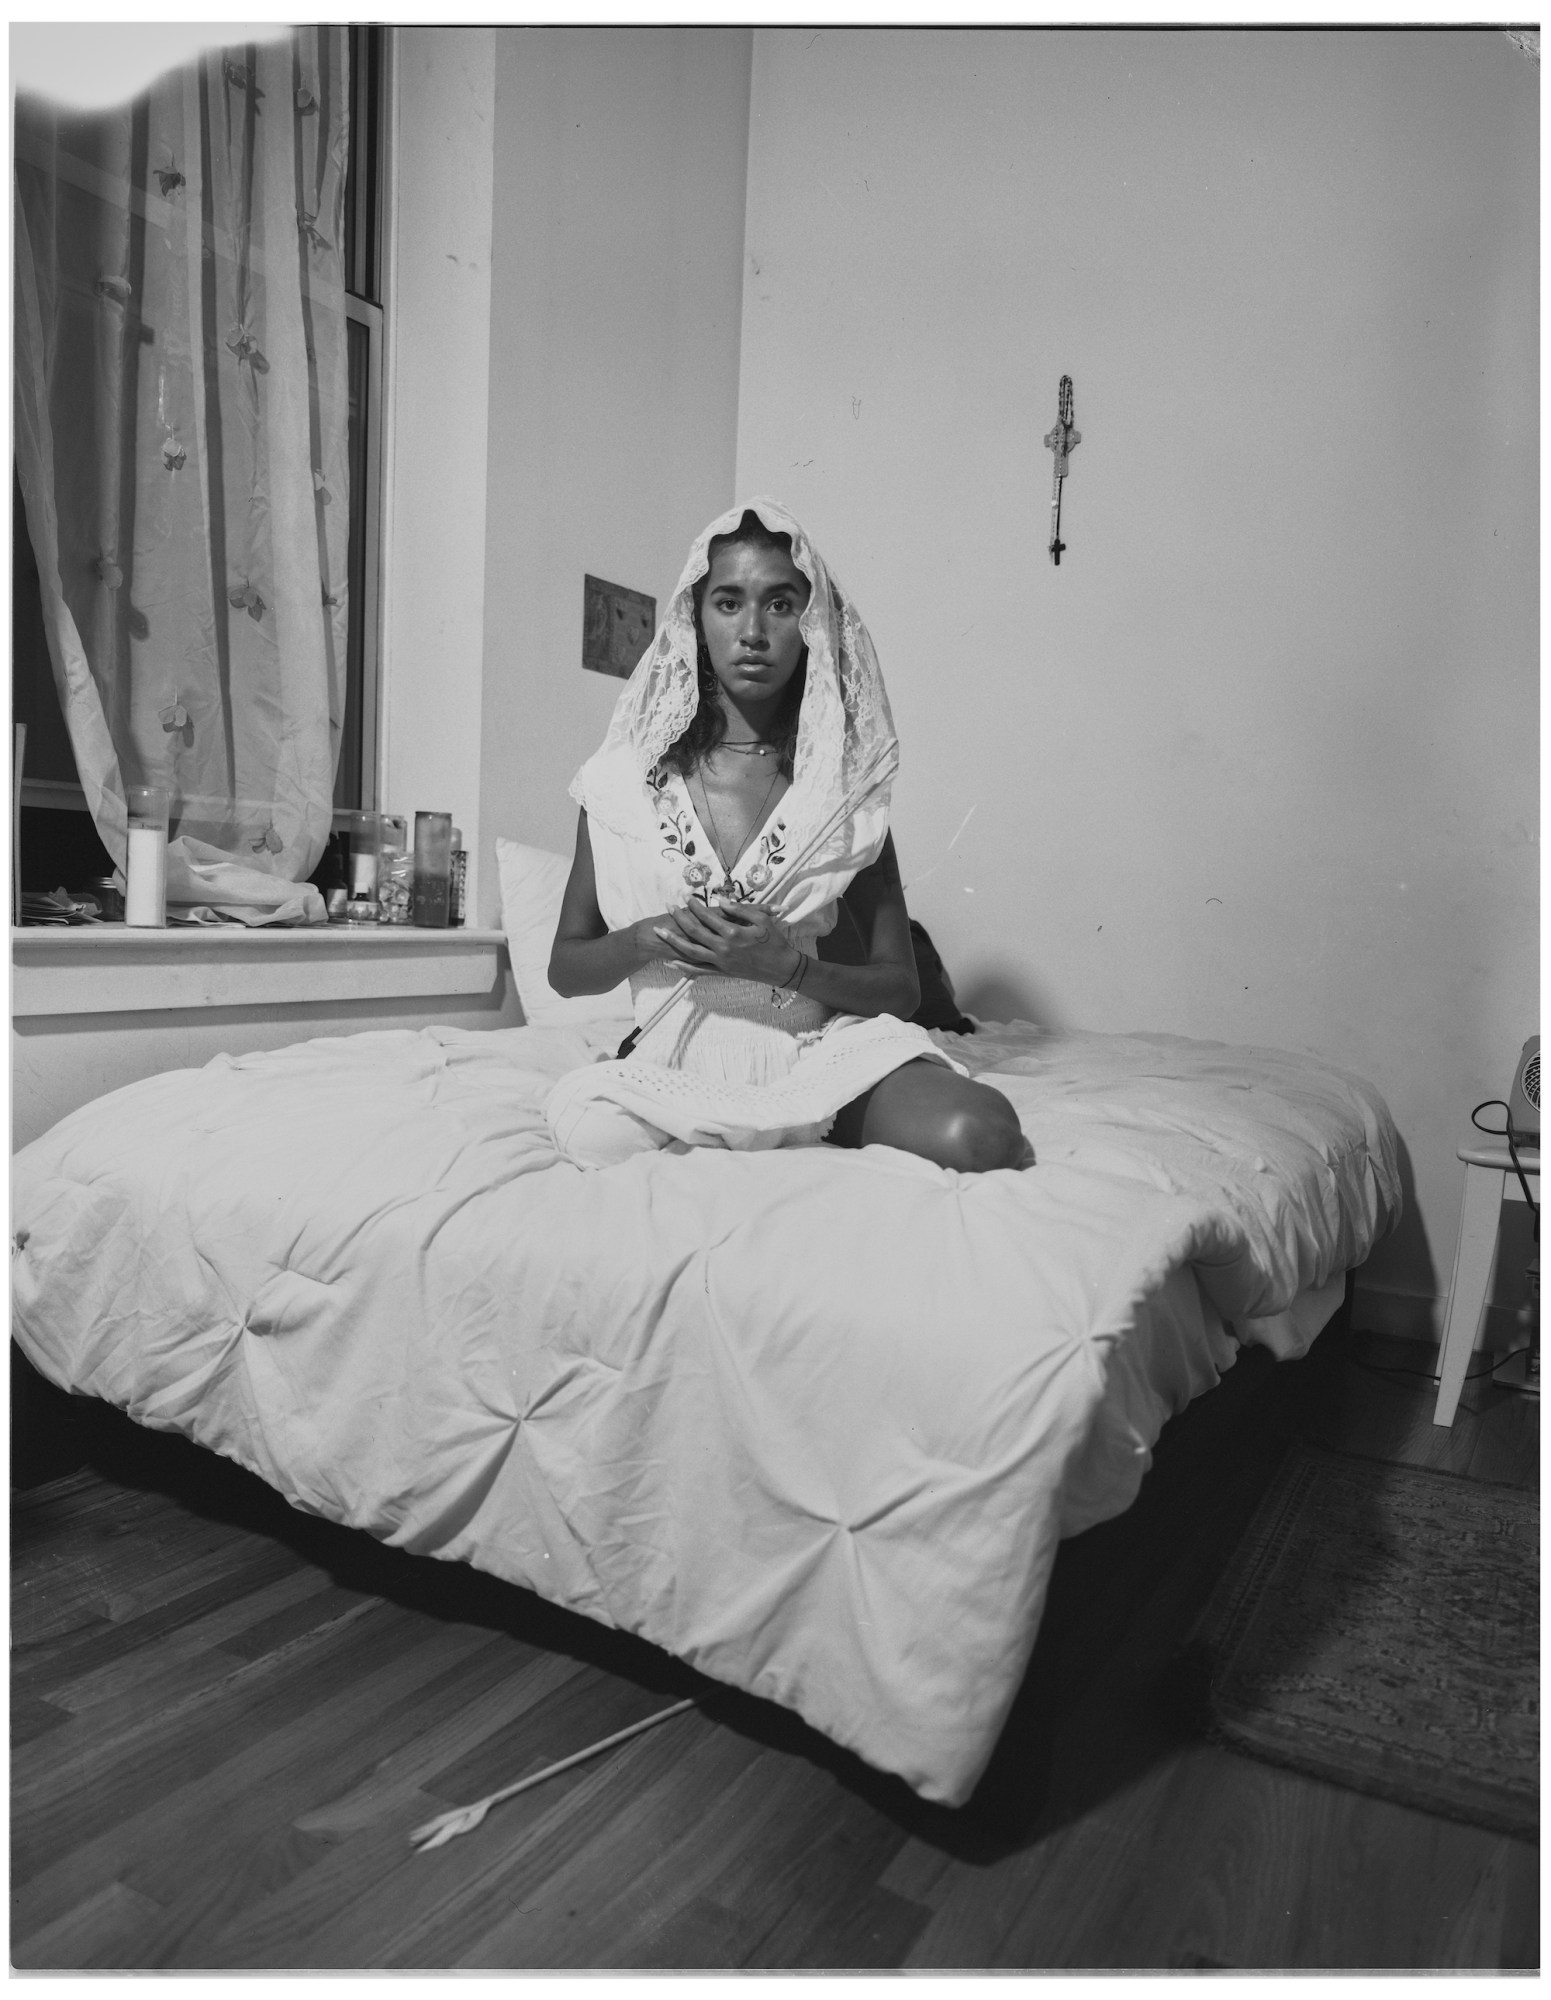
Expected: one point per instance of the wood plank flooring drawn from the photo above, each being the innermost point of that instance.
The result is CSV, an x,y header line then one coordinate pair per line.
x,y
227,1716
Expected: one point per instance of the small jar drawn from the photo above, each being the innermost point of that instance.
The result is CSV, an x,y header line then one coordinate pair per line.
x,y
108,893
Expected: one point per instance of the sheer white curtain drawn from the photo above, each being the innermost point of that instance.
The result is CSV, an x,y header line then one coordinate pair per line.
x,y
181,442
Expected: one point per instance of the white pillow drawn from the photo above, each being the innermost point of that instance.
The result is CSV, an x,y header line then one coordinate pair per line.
x,y
532,883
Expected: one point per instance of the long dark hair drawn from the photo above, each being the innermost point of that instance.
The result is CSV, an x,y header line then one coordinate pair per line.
x,y
708,724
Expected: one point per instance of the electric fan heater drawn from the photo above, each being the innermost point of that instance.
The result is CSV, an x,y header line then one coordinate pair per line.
x,y
1524,1098
1521,1369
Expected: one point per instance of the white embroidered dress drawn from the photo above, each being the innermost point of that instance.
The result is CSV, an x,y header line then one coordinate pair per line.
x,y
733,1062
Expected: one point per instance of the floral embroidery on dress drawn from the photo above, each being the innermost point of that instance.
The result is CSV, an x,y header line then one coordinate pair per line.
x,y
747,881
678,832
771,855
757,870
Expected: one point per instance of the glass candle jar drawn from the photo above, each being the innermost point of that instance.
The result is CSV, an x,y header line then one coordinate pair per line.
x,y
145,866
365,847
433,869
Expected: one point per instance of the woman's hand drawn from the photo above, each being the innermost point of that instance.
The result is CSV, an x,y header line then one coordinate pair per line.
x,y
655,939
738,940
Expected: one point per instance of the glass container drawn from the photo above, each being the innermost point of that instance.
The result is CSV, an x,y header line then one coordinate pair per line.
x,y
109,892
365,851
395,881
433,869
457,896
145,867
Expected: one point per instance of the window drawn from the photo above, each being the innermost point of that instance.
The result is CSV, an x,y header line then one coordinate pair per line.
x,y
57,842
355,781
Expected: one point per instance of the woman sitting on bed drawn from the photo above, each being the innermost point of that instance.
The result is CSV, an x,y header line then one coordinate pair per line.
x,y
741,792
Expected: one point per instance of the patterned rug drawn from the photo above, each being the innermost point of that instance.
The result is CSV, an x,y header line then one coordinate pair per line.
x,y
1379,1626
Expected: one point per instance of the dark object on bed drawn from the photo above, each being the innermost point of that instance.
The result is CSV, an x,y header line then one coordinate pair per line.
x,y
938,1008
1377,1627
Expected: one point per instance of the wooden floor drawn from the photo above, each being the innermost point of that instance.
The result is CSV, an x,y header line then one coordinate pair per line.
x,y
227,1716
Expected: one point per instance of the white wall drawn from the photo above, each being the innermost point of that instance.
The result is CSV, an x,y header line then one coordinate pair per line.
x,y
1258,761
618,233
436,399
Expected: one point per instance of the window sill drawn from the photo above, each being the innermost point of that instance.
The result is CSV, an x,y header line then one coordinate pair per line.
x,y
110,969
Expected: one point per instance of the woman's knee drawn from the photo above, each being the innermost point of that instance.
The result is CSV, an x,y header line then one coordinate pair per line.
x,y
952,1120
980,1136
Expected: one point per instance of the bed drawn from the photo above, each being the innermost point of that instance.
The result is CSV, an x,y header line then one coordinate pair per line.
x,y
813,1421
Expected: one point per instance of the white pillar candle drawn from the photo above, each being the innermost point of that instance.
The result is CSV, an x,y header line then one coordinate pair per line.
x,y
145,894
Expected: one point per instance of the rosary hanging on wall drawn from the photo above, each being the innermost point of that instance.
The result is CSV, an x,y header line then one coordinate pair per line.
x,y
1063,440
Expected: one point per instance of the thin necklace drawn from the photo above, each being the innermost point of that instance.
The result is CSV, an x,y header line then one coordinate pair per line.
x,y
752,746
757,822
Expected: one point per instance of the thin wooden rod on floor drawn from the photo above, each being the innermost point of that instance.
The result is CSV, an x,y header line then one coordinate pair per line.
x,y
463,1819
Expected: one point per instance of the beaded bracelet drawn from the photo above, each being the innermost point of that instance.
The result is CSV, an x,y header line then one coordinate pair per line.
x,y
784,994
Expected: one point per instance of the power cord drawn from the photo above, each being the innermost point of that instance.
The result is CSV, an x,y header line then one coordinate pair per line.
x,y
1506,1131
1491,1366
1422,1374
1531,1313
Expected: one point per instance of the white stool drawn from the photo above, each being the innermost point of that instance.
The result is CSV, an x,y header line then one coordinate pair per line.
x,y
1489,1182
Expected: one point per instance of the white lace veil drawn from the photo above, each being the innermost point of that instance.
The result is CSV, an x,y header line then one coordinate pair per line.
x,y
844,728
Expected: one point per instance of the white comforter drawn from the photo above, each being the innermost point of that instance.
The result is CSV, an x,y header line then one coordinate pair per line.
x,y
812,1420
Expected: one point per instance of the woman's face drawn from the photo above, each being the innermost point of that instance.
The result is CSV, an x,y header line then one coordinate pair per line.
x,y
752,601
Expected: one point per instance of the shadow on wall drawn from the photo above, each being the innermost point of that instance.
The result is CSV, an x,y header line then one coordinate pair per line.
x,y
991,994
1406,1250
994,993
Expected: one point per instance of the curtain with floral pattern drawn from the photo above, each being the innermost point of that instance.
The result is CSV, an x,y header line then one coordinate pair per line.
x,y
181,443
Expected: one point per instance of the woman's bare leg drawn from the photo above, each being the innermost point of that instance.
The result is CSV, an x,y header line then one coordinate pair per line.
x,y
926,1108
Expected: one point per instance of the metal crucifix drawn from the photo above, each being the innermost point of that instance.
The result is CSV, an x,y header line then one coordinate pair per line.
x,y
1063,440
